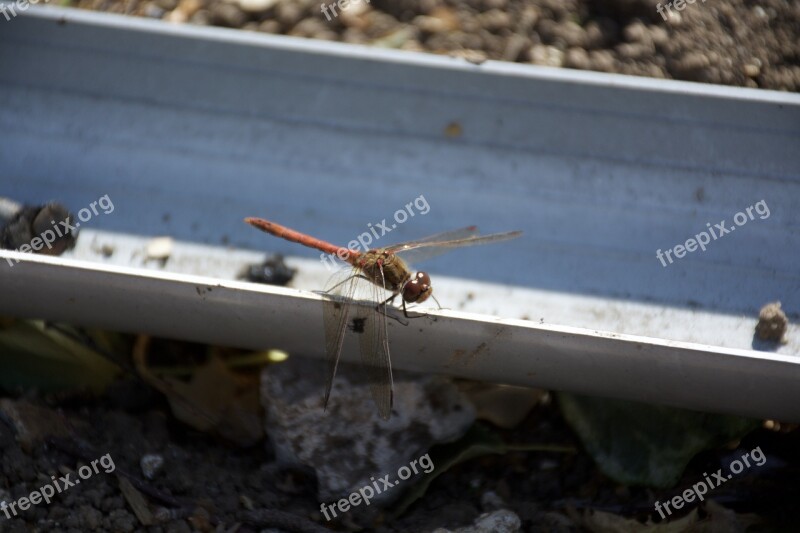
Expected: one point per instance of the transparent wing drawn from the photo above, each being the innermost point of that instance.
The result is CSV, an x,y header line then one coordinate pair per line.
x,y
429,247
451,235
350,303
374,348
412,254
338,296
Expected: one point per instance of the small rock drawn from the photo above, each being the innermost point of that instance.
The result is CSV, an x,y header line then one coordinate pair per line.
x,y
159,248
441,19
752,70
153,11
659,35
228,15
184,10
350,443
255,6
121,520
495,4
514,47
151,464
546,55
577,58
314,29
167,5
494,20
490,501
502,521
476,57
289,13
772,323
694,66
635,50
635,32
528,18
270,26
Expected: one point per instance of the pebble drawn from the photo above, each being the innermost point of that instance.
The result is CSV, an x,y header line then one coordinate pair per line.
x,y
577,58
494,20
752,70
515,46
159,248
772,322
229,15
270,26
502,521
153,11
491,501
202,17
151,464
546,55
256,6
167,5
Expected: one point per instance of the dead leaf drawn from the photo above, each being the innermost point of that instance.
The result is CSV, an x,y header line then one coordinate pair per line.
x,y
137,502
504,406
33,423
215,399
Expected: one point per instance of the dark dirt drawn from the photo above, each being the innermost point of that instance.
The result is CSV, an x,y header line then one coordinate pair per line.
x,y
207,484
732,42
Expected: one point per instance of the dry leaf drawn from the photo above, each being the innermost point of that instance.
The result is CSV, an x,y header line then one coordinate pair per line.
x,y
215,399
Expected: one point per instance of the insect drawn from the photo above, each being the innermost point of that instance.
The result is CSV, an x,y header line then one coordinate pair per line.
x,y
373,274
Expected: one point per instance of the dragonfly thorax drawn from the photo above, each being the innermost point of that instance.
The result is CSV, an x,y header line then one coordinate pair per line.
x,y
384,269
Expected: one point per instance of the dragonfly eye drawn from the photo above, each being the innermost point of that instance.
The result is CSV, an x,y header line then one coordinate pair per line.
x,y
418,289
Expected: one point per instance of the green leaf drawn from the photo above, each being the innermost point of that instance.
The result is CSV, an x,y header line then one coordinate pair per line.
x,y
476,442
642,444
33,356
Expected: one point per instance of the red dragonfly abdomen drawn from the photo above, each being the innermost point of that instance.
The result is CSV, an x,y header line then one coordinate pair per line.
x,y
301,238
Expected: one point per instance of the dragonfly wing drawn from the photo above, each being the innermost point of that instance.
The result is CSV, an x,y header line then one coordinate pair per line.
x,y
335,311
411,253
374,348
450,235
427,249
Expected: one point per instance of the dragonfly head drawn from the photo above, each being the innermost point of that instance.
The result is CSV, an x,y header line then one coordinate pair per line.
x,y
418,288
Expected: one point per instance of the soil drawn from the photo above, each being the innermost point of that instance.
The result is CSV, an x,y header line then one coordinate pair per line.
x,y
735,42
208,484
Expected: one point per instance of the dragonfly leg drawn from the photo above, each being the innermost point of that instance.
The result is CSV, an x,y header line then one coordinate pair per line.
x,y
405,312
390,299
381,308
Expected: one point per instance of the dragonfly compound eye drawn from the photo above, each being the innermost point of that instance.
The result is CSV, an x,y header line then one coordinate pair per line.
x,y
418,289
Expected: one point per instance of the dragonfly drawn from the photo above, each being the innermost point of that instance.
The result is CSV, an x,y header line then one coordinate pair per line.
x,y
372,275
